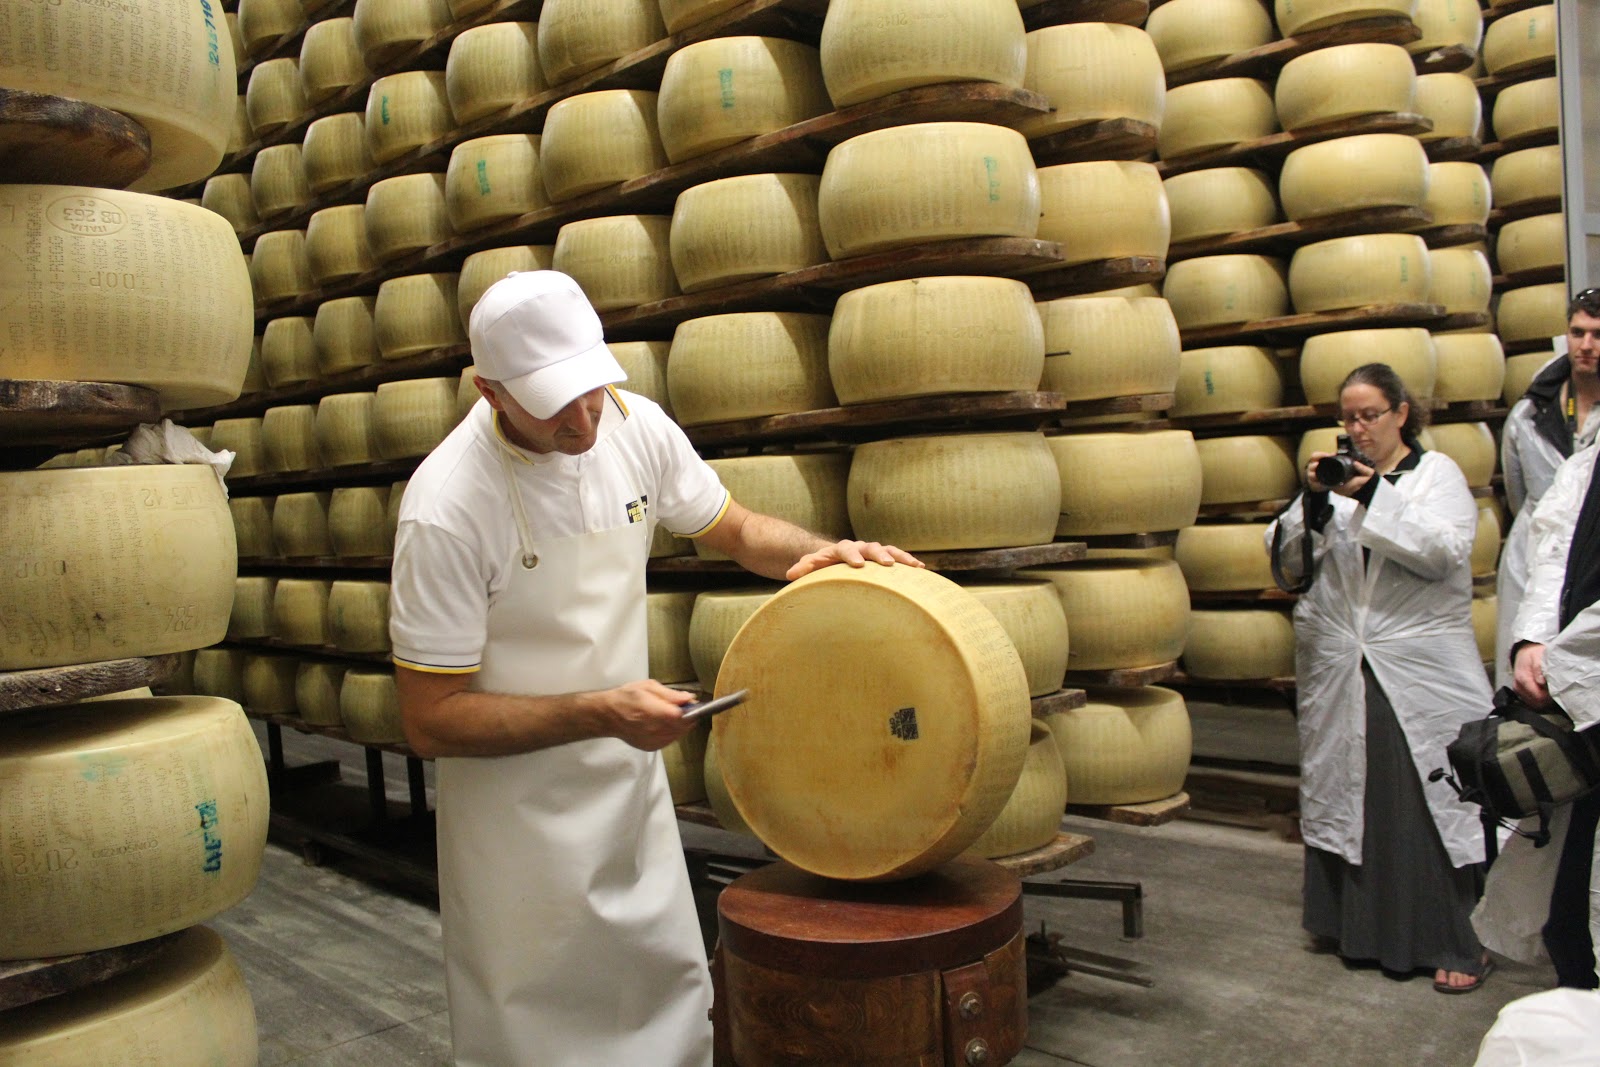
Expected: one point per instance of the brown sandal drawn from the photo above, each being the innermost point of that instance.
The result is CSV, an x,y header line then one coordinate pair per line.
x,y
1455,990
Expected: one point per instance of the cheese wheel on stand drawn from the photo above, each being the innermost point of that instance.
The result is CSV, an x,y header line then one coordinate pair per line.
x,y
1351,272
288,352
1215,114
357,523
410,418
1444,23
1188,33
491,179
492,67
336,244
1225,379
1486,540
252,608
645,363
1452,104
724,90
1221,290
1458,194
871,48
358,616
1298,16
684,760
1471,445
1247,469
1352,173
300,525
1525,175
1091,72
335,151
344,429
229,196
242,437
1528,109
279,269
1123,483
316,691
1126,746
807,490
300,612
1121,613
1520,372
1239,644
370,707
1104,210
1343,82
406,214
1327,358
1224,557
597,139
252,526
667,624
1221,200
387,29
576,36
717,792
417,313
781,359
219,672
1533,312
1472,366
274,98
1032,815
406,111
289,438
1460,280
619,261
681,14
1107,346
1520,40
1532,243
1031,613
330,59
343,334
751,226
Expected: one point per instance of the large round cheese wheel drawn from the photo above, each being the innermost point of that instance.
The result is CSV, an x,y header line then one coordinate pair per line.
x,y
491,179
1327,358
110,562
1224,557
492,67
316,691
1485,611
105,286
715,618
1220,290
917,338
269,684
576,36
242,437
1228,378
1519,40
482,269
1188,33
684,761
1222,200
870,783
330,59
187,1007
667,625
343,333
1486,540
165,799
717,791
370,707
405,214
1033,618
251,615
219,672
300,611
1520,372
288,351
335,151
278,181
1444,23
681,14
279,269
1472,366
871,48
724,90
1528,108
1533,312
1093,71
1452,104
289,438
417,313
358,616
386,29
645,363
1248,469
1121,483
252,526
1215,114
1529,174
1104,210
356,521
1298,16
239,133
1532,243
1459,279
1350,272
1126,746
273,98
406,111
807,490
620,261
411,417
229,196
1106,346
1032,815
955,491
167,64
263,22
750,226
746,365
593,140
1458,194
924,182
300,525
1471,445
1348,173
344,429
336,243
1344,81
1234,644
1121,613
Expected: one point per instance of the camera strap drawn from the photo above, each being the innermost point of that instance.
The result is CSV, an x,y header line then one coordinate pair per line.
x,y
1283,581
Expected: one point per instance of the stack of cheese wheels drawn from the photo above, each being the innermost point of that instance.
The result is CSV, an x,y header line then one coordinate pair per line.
x,y
289,438
344,429
1353,173
717,791
278,181
268,682
141,290
1104,210
300,524
1214,114
1125,746
955,491
1486,541
916,338
182,92
274,97
358,616
1533,312
1528,109
1520,372
492,67
229,196
1226,379
242,437
1459,279
336,244
1224,557
1444,23
1532,243
482,269
343,332
1343,82
1222,290
1327,358
1247,469
750,226
109,562
1350,272
724,90
871,48
386,29
620,261
288,351
252,526
748,364
810,777
219,672
1521,40
593,140
1093,72
1485,611
807,490
411,417
300,612
416,313
645,363
929,181
1108,346
405,214
1031,613
370,707
1452,104
335,151
406,111
1121,613
576,36
685,761
491,179
279,269
1032,816
356,522
1121,483
716,617
1526,175
1236,644
667,615
1472,366
1188,33
330,59
252,608
1471,445
316,691
1221,200
150,868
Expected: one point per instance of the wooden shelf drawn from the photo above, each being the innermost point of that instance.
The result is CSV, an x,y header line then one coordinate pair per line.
x,y
1545,205
1451,59
1492,84
1060,700
381,473
1523,347
1291,418
1059,12
328,566
1294,328
1124,677
1509,7
1152,813
1538,139
1275,685
1455,150
945,560
47,686
56,140
338,733
1471,411
1269,151
1241,509
25,981
272,644
1125,139
1283,238
1220,598
1463,233
1157,539
54,415
1536,276
1267,60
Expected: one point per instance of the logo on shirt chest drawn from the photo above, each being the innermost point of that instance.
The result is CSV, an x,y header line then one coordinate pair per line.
x,y
637,509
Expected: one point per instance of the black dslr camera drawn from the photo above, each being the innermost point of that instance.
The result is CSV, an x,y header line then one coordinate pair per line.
x,y
1341,466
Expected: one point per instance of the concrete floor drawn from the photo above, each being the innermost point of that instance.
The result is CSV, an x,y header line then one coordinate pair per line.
x,y
347,972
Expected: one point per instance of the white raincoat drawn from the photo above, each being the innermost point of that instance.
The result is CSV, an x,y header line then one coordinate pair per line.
x,y
1408,612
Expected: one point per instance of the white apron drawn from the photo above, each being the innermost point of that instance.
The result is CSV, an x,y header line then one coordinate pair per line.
x,y
570,933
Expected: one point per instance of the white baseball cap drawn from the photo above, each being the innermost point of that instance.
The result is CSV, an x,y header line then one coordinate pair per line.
x,y
537,334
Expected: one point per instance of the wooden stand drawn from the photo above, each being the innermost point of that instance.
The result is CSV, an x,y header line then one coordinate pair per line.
x,y
20,690
921,972
23,982
55,140
39,417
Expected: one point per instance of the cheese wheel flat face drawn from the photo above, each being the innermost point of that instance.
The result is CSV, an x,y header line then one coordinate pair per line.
x,y
1126,746
357,522
927,336
748,364
1528,108
807,490
667,624
336,244
300,525
491,179
330,59
1529,174
751,226
1207,203
619,261
105,286
1188,33
1105,346
164,798
482,269
1119,483
417,313
724,90
111,562
1532,243
1452,104
1458,194
406,111
410,418
1350,272
1344,81
927,182
316,691
1121,613
492,67
1349,173
1297,16
1472,366
187,1007
358,616
288,351
1460,279
1236,644
335,151
597,139
1104,210
1326,359
344,429
406,214
1212,114
714,619
1227,378
1219,290
1032,816
1520,39
918,747
289,438
183,92
274,97
1471,445
1533,312
1247,469
1224,557
1091,72
871,48
370,707
343,334
1033,618
955,491
576,36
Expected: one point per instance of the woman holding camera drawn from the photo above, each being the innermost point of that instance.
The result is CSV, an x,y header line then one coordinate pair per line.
x,y
1387,671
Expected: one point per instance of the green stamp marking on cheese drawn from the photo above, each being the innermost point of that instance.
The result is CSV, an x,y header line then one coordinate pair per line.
x,y
210,839
483,177
725,79
99,767
383,109
991,167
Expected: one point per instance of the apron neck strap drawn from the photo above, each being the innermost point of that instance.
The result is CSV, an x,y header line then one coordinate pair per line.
x,y
530,558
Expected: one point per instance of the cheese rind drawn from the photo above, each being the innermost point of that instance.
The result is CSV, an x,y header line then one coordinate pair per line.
x,y
1126,746
871,48
1219,290
1188,33
411,417
1212,114
1532,243
336,244
597,139
715,618
1533,312
1092,72
619,261
1471,445
667,625
1350,272
343,334
491,179
723,90
781,362
370,706
1121,613
1222,200
1327,358
358,616
1031,613
300,524
1528,108
751,226
1224,557
417,313
288,351
1297,16
1521,39
1236,644
300,612
1343,82
406,111
1032,815
1247,469
357,522
289,438
1350,173
576,36
1472,366
386,29
492,67
1107,346
1528,174
807,490
1121,483
330,59
273,98
1458,194
406,214
1104,210
316,691
335,151
1452,104
1227,378
344,429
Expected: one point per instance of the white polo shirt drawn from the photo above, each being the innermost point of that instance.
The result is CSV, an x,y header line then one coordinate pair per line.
x,y
457,541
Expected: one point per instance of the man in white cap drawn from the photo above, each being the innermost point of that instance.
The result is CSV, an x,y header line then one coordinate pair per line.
x,y
518,629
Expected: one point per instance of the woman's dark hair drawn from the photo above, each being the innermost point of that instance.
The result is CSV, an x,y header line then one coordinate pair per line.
x,y
1382,377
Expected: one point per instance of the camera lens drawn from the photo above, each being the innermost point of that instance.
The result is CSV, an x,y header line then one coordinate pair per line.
x,y
1335,470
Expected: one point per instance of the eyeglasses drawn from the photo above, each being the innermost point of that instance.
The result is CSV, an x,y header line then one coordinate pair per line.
x,y
1363,418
